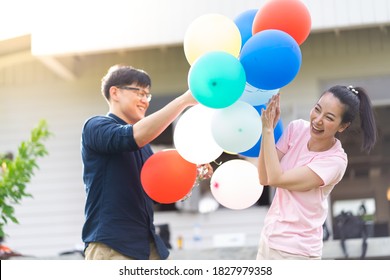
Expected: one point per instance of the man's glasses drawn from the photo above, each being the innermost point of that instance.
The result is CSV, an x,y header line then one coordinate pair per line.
x,y
140,92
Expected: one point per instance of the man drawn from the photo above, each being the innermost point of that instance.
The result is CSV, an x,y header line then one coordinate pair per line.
x,y
119,214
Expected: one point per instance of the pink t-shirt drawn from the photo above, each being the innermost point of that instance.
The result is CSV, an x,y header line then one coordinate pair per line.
x,y
294,221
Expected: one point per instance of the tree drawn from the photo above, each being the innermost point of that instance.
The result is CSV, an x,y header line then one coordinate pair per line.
x,y
16,172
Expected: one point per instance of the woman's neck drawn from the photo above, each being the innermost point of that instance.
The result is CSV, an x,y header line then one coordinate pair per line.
x,y
316,146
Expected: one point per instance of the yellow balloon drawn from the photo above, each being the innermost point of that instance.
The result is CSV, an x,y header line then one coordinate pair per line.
x,y
230,153
211,32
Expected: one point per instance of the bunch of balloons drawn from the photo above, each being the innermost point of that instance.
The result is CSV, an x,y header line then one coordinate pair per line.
x,y
236,67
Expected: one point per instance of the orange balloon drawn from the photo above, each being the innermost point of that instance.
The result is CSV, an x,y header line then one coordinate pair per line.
x,y
290,16
167,177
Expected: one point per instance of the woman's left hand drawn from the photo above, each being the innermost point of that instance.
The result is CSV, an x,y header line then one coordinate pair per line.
x,y
271,114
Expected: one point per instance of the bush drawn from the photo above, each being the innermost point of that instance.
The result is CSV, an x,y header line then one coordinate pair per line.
x,y
16,172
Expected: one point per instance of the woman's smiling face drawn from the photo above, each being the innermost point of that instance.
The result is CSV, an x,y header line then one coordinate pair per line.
x,y
326,117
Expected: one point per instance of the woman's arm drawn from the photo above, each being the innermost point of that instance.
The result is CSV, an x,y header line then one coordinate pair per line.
x,y
297,179
262,167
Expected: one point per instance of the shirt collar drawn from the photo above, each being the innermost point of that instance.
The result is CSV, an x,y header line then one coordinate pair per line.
x,y
118,119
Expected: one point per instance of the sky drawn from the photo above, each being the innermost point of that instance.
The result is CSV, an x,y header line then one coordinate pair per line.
x,y
15,16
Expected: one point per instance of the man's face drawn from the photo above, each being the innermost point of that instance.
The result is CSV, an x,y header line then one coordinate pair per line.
x,y
132,102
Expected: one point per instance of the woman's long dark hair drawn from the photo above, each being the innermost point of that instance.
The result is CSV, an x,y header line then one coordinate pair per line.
x,y
356,101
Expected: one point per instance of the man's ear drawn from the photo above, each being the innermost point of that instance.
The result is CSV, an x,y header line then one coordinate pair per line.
x,y
344,126
114,91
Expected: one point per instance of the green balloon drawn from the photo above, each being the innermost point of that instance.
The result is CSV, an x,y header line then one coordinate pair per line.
x,y
217,79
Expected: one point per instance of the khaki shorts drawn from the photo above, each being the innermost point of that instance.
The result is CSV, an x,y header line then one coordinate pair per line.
x,y
100,251
266,253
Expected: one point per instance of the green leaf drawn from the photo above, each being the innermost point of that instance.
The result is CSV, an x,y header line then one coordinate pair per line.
x,y
16,174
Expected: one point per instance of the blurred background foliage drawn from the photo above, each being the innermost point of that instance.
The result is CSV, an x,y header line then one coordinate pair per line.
x,y
17,170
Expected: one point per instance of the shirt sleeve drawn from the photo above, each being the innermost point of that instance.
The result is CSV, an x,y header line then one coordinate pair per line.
x,y
329,168
104,135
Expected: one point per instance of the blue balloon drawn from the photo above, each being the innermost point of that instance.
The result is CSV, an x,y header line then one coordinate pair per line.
x,y
255,150
244,22
271,59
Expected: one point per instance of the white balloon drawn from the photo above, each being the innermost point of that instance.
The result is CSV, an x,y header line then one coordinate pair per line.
x,y
236,185
192,136
256,96
236,128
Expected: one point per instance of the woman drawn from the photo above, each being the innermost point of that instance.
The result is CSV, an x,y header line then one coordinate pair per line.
x,y
304,166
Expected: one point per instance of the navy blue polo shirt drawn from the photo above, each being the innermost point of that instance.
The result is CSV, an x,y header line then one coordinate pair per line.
x,y
118,212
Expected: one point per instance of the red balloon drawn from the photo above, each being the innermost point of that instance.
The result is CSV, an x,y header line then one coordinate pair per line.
x,y
167,177
290,16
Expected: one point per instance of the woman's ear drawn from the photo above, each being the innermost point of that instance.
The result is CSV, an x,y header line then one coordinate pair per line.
x,y
344,126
